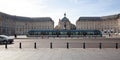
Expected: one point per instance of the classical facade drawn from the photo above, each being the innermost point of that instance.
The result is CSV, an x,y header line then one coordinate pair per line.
x,y
6,24
10,24
65,24
105,23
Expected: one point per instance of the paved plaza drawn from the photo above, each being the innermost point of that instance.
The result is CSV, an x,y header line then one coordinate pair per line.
x,y
59,49
60,54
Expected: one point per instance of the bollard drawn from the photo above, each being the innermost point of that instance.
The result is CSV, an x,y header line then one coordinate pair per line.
x,y
67,45
6,45
116,45
51,45
20,45
84,45
35,45
100,45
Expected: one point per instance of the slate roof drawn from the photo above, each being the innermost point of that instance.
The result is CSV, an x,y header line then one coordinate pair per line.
x,y
20,18
89,18
110,17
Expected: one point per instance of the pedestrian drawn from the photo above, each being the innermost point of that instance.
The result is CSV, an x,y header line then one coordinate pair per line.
x,y
109,34
15,35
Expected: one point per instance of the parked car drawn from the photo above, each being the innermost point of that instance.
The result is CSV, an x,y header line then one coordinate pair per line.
x,y
6,39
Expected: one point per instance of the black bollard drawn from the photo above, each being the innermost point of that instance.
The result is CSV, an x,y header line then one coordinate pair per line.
x,y
51,45
116,45
100,45
67,45
35,45
20,45
6,45
84,45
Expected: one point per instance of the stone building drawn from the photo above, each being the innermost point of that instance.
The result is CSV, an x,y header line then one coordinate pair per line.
x,y
105,23
23,25
10,24
7,24
65,24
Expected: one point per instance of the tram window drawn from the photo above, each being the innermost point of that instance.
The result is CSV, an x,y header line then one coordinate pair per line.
x,y
80,33
73,33
68,33
90,33
63,33
76,33
35,33
32,33
96,33
50,33
57,33
46,33
53,33
43,33
39,33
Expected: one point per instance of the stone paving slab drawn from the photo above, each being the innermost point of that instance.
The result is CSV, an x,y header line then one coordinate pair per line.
x,y
60,54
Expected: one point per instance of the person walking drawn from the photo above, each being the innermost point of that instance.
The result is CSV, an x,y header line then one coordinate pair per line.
x,y
15,35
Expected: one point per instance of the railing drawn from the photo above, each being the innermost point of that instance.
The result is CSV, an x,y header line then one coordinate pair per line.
x,y
67,45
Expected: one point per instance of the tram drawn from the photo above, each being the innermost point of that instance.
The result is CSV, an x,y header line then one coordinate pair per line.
x,y
64,33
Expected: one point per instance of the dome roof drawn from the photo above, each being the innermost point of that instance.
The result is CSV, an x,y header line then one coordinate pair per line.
x,y
65,19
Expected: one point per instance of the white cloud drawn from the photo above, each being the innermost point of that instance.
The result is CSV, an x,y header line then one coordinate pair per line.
x,y
75,1
48,8
21,7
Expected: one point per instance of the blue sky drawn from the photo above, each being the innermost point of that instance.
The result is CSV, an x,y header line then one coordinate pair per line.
x,y
56,8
